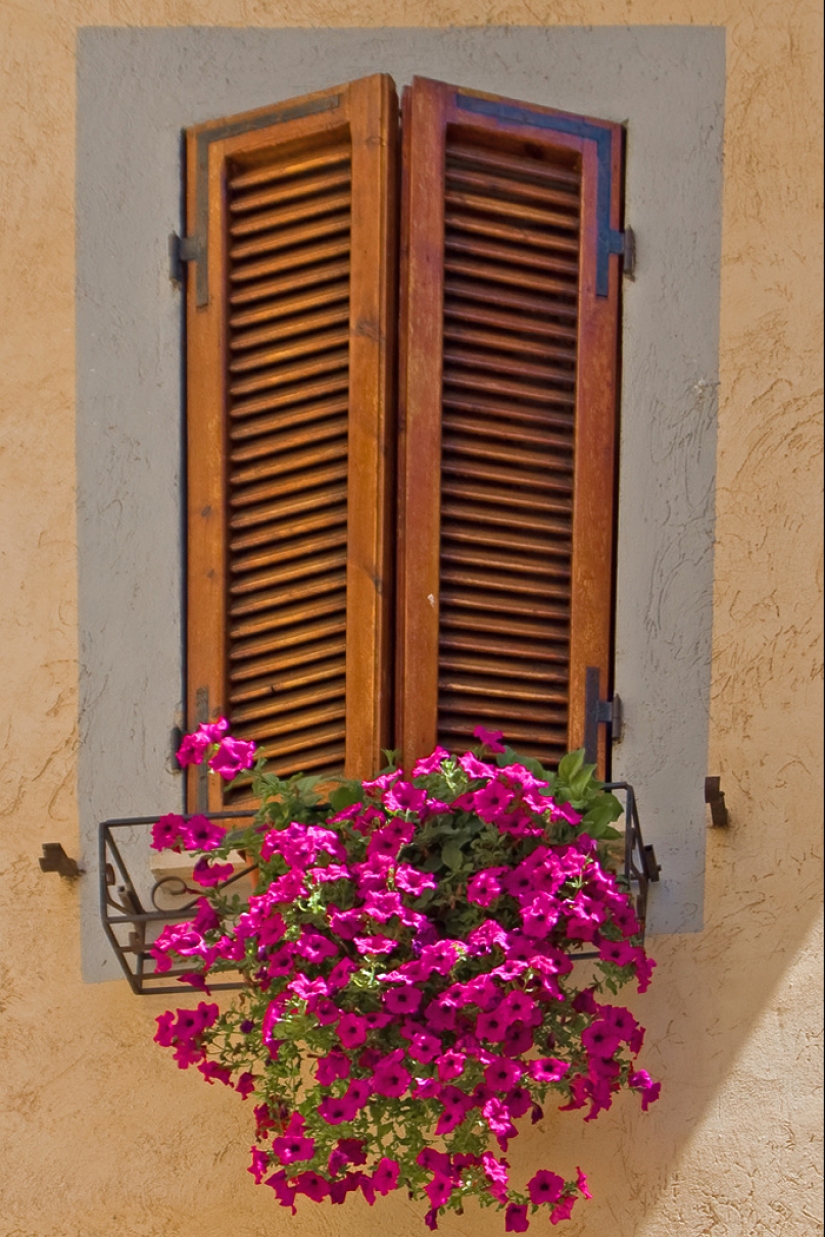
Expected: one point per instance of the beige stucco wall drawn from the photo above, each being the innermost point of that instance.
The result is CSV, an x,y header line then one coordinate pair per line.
x,y
100,1134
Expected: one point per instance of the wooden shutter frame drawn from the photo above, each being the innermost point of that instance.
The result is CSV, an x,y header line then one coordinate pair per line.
x,y
429,108
368,110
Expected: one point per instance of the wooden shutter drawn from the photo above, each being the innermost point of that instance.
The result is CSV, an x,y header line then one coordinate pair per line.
x,y
508,355
290,307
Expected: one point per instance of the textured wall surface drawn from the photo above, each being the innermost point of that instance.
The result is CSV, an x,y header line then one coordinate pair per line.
x,y
100,1134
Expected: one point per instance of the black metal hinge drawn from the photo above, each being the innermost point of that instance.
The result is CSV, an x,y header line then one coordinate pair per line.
x,y
182,249
597,713
629,253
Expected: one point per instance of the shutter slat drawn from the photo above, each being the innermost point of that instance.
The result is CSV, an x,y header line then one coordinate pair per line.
x,y
515,342
310,341
288,616
296,258
325,666
294,319
512,167
273,601
276,173
519,272
511,300
493,185
300,187
252,659
291,477
324,270
319,695
283,550
295,394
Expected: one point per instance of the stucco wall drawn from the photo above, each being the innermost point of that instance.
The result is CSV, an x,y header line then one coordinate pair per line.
x,y
101,1135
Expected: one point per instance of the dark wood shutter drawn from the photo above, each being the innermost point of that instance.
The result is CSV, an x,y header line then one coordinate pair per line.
x,y
291,219
509,360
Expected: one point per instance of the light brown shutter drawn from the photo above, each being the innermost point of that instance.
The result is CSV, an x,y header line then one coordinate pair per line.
x,y
509,346
290,310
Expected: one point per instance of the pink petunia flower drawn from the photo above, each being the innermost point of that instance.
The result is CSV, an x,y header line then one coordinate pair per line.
x,y
515,1218
545,1187
232,756
491,739
385,1177
166,833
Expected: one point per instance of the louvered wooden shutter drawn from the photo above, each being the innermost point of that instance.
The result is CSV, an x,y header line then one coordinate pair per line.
x,y
290,310
509,344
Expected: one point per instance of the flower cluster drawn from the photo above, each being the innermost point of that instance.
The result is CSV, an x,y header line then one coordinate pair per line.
x,y
409,955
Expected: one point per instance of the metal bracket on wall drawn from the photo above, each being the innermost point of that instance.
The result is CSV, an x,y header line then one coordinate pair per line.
x,y
715,800
55,859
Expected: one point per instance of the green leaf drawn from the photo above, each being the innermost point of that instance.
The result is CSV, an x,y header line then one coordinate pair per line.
x,y
570,764
345,795
452,856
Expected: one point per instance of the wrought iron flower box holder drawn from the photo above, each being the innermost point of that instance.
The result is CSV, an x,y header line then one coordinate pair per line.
x,y
131,928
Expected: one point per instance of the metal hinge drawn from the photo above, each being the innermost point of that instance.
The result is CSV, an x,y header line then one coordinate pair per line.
x,y
629,254
597,713
182,249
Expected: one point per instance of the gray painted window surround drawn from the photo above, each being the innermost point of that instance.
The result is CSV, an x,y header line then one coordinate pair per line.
x,y
136,90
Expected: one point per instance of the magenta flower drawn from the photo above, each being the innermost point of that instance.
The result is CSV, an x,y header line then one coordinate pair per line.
x,y
485,887
193,749
492,1026
390,1078
404,1000
491,739
208,875
409,880
337,1109
581,1182
166,834
502,1074
385,1177
451,1065
313,1185
431,763
198,833
515,1218
232,756
425,1047
563,1209
601,1039
547,1069
291,1149
331,1067
545,1187
640,1080
352,1030
404,797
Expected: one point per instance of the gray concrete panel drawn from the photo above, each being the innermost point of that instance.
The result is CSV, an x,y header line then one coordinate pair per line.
x,y
136,90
